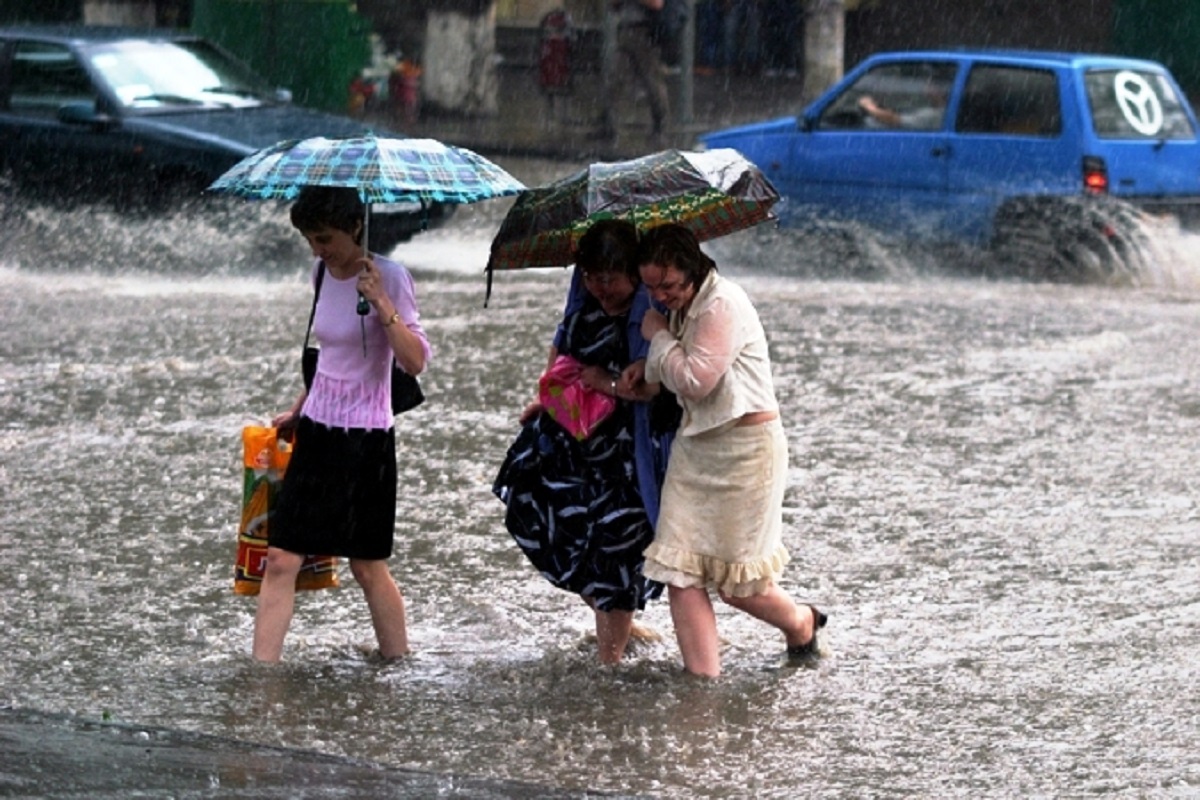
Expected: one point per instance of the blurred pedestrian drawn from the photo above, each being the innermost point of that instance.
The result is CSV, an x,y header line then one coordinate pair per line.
x,y
780,23
636,60
721,515
709,14
743,36
554,61
339,492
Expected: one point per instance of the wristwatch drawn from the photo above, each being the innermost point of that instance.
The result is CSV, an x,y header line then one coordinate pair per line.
x,y
392,320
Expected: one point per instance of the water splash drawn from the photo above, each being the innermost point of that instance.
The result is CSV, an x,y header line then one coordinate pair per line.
x,y
224,236
1056,240
216,236
1171,255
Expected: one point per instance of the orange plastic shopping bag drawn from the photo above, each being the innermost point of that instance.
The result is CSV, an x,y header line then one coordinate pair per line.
x,y
265,460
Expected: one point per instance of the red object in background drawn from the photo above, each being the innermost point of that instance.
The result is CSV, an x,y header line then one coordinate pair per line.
x,y
554,56
404,89
361,93
362,86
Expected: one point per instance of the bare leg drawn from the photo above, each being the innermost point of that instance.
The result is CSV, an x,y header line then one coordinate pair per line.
x,y
276,601
386,605
696,630
613,631
612,634
776,608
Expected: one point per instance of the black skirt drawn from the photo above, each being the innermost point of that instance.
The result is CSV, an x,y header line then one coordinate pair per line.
x,y
339,493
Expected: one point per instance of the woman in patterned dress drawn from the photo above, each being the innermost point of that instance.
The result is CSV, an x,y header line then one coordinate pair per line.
x,y
583,511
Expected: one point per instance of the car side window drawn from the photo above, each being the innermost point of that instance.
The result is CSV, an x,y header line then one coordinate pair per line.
x,y
45,77
909,96
1135,104
1013,101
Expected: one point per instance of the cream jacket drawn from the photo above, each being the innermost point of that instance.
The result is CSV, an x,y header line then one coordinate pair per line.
x,y
714,358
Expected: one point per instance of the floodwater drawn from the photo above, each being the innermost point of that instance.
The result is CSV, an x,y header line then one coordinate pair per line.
x,y
993,492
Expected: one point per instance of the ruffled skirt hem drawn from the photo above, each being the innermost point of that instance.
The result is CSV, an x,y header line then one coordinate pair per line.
x,y
685,569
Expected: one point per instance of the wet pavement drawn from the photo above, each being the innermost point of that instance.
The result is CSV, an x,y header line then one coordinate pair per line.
x,y
46,756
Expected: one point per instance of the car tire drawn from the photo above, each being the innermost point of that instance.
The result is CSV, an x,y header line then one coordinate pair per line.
x,y
1069,240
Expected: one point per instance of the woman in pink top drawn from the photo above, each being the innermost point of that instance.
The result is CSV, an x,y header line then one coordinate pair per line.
x,y
720,519
339,492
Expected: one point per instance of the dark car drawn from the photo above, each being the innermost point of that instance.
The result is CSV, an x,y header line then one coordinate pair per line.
x,y
1001,148
147,117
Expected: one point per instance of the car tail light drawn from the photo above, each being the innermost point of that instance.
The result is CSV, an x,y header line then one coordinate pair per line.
x,y
1095,175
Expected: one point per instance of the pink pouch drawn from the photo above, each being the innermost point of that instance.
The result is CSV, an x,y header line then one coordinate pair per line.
x,y
573,405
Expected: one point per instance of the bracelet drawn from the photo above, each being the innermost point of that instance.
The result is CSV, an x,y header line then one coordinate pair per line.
x,y
392,320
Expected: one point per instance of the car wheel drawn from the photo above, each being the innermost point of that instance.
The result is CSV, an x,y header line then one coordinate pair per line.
x,y
1069,240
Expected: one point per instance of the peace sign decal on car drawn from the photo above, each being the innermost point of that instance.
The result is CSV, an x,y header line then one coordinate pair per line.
x,y
1138,102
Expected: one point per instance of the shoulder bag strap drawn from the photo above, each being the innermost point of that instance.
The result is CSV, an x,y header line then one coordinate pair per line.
x,y
316,296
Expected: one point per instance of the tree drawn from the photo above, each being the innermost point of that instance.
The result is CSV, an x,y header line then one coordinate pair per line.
x,y
824,46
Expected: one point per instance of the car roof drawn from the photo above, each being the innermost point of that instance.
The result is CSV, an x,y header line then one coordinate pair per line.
x,y
91,34
1015,55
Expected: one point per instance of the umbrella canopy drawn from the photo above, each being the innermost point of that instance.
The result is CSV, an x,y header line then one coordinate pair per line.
x,y
712,193
383,170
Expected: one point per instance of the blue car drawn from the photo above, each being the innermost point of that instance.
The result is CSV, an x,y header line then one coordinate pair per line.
x,y
988,148
144,118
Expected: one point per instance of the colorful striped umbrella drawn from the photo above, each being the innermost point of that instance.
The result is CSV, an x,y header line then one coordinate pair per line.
x,y
712,193
384,170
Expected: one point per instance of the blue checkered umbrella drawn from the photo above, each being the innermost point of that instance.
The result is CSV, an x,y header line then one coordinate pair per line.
x,y
384,170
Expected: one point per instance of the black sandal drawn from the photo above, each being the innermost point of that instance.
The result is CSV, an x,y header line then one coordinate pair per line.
x,y
809,648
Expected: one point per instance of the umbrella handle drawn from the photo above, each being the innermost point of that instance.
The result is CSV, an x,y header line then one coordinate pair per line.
x,y
363,308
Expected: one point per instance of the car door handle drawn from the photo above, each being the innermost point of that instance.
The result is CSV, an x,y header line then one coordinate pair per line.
x,y
940,151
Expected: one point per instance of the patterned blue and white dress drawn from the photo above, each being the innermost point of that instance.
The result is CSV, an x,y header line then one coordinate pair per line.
x,y
574,508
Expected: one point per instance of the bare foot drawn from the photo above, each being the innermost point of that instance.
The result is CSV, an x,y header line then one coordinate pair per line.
x,y
643,634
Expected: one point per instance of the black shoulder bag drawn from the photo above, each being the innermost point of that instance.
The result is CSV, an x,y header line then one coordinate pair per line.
x,y
406,391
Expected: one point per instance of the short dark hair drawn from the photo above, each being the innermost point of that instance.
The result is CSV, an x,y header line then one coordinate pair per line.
x,y
329,207
609,245
675,246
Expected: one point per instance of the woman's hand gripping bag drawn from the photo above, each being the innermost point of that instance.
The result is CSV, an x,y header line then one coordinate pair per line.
x,y
576,407
265,459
